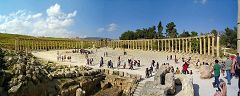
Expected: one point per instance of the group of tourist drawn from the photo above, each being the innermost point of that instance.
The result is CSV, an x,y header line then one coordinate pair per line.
x,y
149,71
63,58
89,61
171,57
132,63
82,51
105,54
232,68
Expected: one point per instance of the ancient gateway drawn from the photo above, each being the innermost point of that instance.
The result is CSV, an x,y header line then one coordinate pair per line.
x,y
204,45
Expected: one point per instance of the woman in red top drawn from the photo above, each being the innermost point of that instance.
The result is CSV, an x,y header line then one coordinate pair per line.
x,y
185,68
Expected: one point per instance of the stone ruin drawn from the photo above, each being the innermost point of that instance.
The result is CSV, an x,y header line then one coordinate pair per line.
x,y
29,76
165,82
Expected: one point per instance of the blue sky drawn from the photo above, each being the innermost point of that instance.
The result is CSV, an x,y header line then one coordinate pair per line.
x,y
109,18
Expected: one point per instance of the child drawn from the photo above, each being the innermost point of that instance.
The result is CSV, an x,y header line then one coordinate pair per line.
x,y
177,71
191,72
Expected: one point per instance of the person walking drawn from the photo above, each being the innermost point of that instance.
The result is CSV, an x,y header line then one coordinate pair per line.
x,y
147,73
228,66
236,68
216,69
101,62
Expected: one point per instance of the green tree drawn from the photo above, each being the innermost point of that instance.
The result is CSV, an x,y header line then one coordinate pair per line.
x,y
160,29
140,34
171,31
129,35
229,38
193,33
185,34
214,32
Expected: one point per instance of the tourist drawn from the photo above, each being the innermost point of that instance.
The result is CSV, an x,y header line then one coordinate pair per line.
x,y
153,63
172,69
119,58
106,54
64,58
147,73
157,66
177,71
222,89
138,63
151,70
197,64
170,57
228,64
237,71
223,68
216,69
131,65
118,64
88,61
61,58
135,62
189,59
101,62
111,64
167,57
124,66
185,68
191,72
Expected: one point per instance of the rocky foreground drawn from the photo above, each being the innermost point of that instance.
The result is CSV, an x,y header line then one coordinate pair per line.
x,y
24,75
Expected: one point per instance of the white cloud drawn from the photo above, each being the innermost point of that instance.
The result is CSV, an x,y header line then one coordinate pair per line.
x,y
109,28
112,27
100,29
200,1
54,24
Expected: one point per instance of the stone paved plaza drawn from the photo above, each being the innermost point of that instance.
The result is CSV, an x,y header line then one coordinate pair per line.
x,y
202,87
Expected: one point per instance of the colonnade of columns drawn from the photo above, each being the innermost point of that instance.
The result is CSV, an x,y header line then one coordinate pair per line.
x,y
205,45
41,44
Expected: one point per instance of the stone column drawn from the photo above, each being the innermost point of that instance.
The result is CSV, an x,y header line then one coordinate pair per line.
x,y
208,45
158,45
172,45
162,45
218,45
176,45
169,45
179,45
200,40
165,45
137,44
213,41
190,45
186,45
204,45
148,45
151,45
128,44
183,44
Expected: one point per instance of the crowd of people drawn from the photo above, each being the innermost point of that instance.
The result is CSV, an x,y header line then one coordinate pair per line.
x,y
229,67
